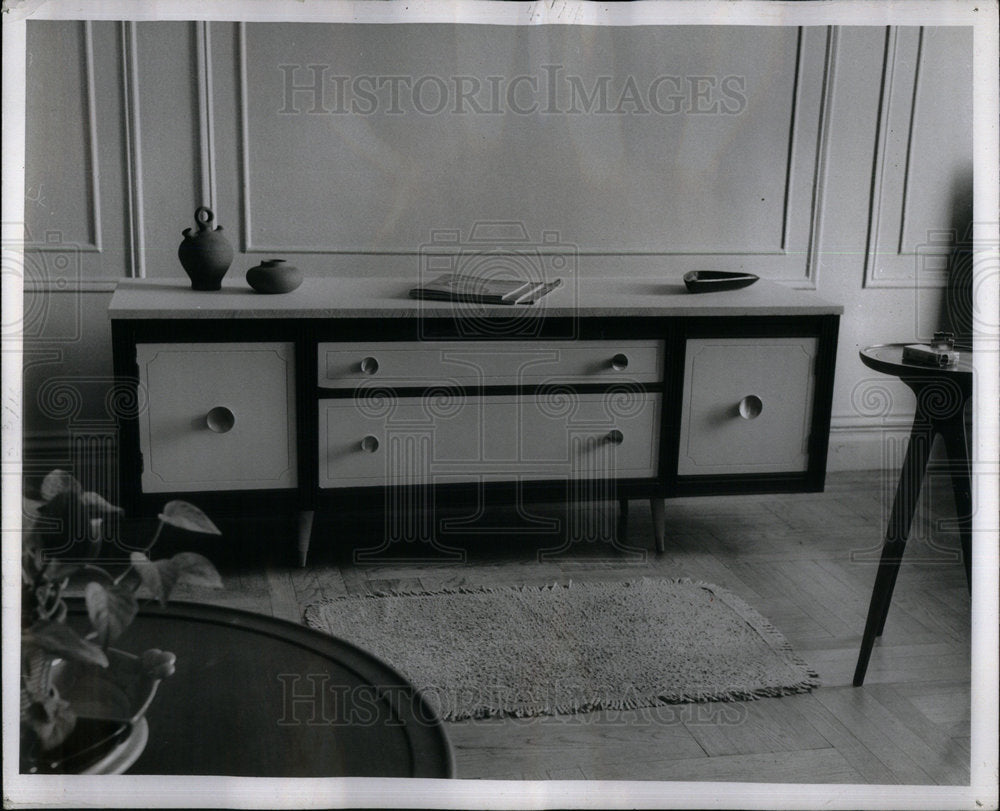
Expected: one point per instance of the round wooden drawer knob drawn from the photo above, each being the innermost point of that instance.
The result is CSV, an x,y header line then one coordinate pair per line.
x,y
619,362
369,444
616,437
369,365
750,407
220,419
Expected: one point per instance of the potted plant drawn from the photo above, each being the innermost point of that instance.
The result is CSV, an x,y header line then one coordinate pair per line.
x,y
80,696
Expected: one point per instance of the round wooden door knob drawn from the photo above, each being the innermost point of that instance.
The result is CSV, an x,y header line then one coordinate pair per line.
x,y
220,420
750,407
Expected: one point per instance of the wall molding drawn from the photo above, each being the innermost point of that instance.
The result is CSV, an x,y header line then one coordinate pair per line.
x,y
243,106
822,158
206,115
89,95
805,169
95,172
887,262
88,286
136,226
851,423
786,224
875,443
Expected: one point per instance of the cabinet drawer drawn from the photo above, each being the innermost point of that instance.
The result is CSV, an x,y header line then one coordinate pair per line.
x,y
219,416
491,438
748,405
487,363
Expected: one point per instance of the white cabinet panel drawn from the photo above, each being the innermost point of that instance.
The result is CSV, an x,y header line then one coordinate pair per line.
x,y
218,416
748,405
494,438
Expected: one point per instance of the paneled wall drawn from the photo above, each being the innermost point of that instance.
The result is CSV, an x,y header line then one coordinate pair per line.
x,y
834,159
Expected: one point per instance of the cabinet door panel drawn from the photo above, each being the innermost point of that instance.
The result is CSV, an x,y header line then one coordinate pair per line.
x,y
493,438
747,406
219,416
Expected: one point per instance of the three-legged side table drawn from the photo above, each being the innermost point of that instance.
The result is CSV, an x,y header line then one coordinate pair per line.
x,y
942,395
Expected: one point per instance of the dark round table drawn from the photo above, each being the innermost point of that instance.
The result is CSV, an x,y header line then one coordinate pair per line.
x,y
262,697
942,395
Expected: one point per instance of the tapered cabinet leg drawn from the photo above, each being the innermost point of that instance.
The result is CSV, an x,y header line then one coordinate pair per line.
x,y
623,519
659,516
305,533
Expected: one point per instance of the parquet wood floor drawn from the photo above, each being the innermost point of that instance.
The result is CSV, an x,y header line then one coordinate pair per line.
x,y
805,561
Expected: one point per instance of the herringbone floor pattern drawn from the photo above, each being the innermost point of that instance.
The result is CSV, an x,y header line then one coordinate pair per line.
x,y
807,562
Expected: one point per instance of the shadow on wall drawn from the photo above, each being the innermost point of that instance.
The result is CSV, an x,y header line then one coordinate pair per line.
x,y
957,304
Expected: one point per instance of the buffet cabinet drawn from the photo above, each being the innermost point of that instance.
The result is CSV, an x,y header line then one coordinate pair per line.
x,y
304,402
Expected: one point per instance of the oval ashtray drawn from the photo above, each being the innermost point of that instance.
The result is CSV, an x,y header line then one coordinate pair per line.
x,y
705,281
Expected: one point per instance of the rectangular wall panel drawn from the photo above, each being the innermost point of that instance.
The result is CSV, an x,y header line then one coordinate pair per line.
x,y
922,175
61,204
649,140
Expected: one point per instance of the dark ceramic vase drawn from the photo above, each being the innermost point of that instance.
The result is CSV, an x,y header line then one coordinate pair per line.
x,y
274,276
207,254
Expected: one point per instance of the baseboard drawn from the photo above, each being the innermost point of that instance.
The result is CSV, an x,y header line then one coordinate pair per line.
x,y
45,450
858,443
48,445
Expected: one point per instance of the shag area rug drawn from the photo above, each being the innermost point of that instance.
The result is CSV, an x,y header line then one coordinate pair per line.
x,y
530,650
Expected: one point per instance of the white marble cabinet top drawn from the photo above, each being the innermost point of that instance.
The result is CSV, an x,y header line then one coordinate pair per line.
x,y
385,297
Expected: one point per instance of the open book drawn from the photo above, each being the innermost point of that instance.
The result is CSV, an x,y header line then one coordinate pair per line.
x,y
456,287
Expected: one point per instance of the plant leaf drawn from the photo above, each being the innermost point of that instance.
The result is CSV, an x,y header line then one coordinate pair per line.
x,y
196,570
111,610
96,502
61,640
186,516
32,561
159,576
91,569
57,483
57,570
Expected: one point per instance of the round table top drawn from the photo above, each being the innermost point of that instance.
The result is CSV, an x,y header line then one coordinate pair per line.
x,y
255,696
888,358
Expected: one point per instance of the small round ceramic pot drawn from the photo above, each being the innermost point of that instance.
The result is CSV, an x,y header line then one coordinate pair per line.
x,y
274,276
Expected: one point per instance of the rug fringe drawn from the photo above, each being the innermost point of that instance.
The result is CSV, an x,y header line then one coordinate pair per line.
x,y
446,590
605,705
